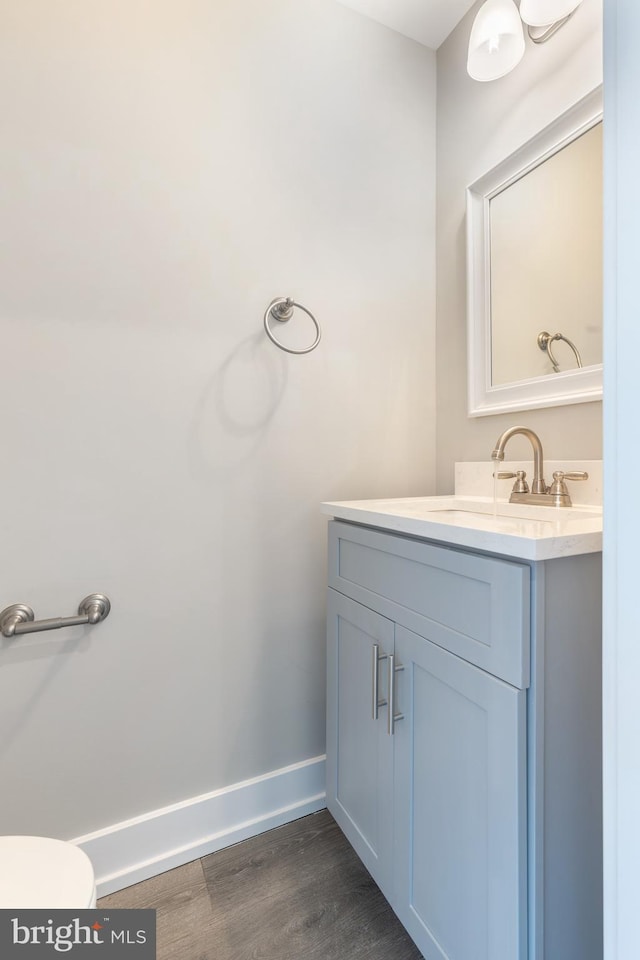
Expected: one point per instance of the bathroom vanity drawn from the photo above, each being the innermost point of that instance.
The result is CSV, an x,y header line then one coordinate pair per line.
x,y
464,720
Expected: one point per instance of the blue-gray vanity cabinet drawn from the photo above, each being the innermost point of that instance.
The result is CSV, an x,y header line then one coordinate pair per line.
x,y
480,816
436,807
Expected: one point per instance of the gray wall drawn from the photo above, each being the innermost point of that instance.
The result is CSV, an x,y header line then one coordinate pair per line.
x,y
479,124
168,168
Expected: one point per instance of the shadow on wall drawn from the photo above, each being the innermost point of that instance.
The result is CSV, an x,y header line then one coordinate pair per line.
x,y
239,400
20,650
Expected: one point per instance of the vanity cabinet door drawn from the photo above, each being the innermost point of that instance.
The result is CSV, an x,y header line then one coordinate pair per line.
x,y
459,806
359,749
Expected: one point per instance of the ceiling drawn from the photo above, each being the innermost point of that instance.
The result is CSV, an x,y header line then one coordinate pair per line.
x,y
427,21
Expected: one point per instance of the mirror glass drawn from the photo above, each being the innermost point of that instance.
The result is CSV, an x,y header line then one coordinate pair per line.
x,y
534,248
546,265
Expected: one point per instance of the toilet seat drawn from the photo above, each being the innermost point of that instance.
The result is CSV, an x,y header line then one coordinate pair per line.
x,y
41,873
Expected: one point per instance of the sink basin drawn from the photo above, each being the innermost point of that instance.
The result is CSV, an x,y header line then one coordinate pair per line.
x,y
466,506
514,529
453,514
456,507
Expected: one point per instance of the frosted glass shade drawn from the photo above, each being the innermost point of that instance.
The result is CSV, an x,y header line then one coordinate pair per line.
x,y
496,44
541,13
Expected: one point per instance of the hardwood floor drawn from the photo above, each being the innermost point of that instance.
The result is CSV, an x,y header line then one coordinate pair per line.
x,y
295,893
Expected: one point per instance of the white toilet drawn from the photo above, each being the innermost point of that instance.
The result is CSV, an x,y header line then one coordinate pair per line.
x,y
41,873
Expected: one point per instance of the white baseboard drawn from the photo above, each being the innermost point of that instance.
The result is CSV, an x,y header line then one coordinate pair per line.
x,y
137,849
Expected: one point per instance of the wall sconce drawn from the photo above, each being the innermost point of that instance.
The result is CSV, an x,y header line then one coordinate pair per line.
x,y
497,44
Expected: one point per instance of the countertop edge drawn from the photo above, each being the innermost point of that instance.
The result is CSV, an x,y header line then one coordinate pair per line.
x,y
509,545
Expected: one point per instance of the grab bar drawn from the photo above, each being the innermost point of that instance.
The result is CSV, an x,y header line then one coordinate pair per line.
x,y
19,618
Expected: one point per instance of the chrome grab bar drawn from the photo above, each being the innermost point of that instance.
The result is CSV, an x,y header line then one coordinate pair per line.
x,y
19,618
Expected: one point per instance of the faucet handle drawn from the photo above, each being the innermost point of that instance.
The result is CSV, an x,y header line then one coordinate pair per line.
x,y
576,475
558,488
520,476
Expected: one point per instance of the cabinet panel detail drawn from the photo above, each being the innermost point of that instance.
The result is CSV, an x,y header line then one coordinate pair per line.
x,y
460,807
474,606
359,750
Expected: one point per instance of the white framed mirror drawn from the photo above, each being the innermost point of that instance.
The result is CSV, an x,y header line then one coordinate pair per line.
x,y
534,270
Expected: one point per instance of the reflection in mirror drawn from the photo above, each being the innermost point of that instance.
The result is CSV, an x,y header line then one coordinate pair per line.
x,y
546,265
534,270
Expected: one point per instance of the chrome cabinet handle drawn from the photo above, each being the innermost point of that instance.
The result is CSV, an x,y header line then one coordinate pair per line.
x,y
375,659
393,716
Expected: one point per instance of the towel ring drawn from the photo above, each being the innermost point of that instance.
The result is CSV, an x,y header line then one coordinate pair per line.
x,y
282,309
546,339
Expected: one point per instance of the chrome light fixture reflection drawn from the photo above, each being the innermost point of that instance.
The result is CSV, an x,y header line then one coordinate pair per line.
x,y
541,13
496,44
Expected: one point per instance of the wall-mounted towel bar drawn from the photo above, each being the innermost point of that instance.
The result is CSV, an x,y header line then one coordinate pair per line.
x,y
19,618
281,309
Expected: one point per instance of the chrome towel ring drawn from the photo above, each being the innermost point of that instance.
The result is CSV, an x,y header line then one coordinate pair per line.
x,y
281,309
546,339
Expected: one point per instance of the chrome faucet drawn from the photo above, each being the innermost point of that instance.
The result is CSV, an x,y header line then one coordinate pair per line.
x,y
556,495
538,484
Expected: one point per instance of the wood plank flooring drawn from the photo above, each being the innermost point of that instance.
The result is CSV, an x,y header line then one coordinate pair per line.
x,y
295,893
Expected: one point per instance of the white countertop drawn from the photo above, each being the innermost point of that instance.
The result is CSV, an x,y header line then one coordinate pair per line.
x,y
513,530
